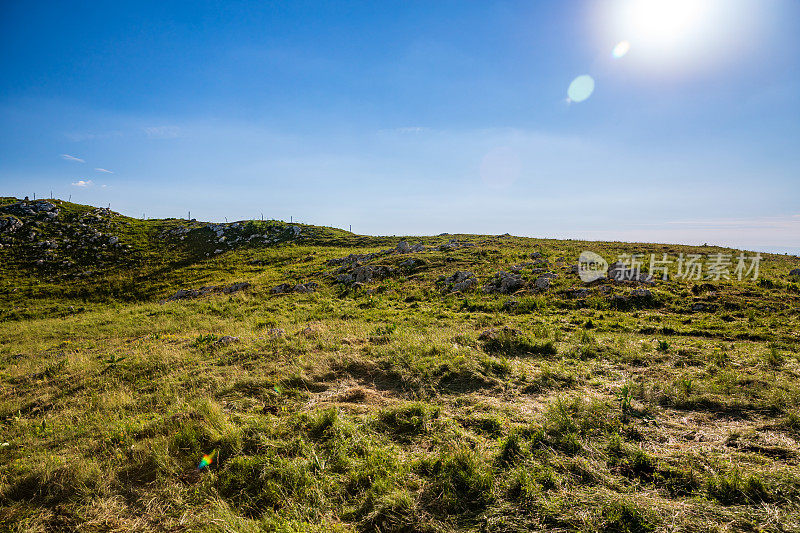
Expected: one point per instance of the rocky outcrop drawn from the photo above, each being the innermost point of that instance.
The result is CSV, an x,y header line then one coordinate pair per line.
x,y
185,294
504,283
459,281
10,224
454,244
364,274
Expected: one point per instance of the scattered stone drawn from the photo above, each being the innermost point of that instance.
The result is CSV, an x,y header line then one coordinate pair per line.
x,y
578,293
312,330
411,263
703,307
454,245
494,333
10,224
641,293
365,274
795,272
275,333
236,287
542,283
459,281
226,340
620,272
504,283
402,247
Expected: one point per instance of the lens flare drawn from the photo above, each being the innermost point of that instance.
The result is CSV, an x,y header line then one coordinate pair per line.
x,y
581,88
622,48
207,460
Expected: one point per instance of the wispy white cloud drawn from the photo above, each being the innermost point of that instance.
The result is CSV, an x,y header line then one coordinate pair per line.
x,y
82,136
72,158
104,170
82,183
162,132
104,186
411,129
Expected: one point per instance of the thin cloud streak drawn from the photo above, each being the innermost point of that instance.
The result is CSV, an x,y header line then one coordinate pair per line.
x,y
72,158
82,183
162,132
104,170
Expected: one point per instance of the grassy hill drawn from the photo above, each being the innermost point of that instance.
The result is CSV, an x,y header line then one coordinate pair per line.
x,y
353,383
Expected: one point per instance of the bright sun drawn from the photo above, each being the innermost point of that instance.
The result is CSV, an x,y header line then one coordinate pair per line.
x,y
663,34
664,22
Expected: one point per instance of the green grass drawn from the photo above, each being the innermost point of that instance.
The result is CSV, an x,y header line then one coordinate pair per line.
x,y
388,407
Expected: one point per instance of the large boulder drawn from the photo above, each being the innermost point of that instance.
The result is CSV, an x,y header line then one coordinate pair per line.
x,y
504,283
459,281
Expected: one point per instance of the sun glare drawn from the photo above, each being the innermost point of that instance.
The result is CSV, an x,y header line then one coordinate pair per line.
x,y
665,35
665,22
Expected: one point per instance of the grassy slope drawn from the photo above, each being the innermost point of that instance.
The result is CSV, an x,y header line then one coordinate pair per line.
x,y
379,408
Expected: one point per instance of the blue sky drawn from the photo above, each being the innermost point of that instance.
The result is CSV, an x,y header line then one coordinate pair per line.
x,y
414,117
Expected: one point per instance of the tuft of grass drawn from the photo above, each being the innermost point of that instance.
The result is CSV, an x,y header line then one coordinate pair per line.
x,y
511,345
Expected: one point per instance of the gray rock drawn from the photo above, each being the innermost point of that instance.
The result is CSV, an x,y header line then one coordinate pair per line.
x,y
504,283
703,306
286,288
542,283
795,272
411,263
620,272
463,286
10,224
305,287
457,277
226,340
236,287
402,247
641,293
283,288
368,273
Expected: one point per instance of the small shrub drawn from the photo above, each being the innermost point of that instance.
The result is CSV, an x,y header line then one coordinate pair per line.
x,y
731,488
512,345
460,482
625,517
407,420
